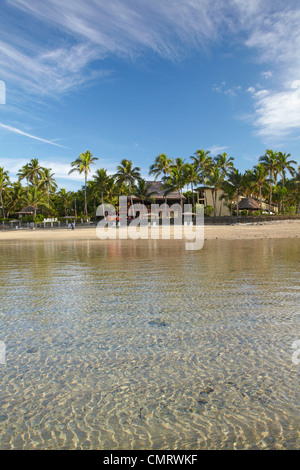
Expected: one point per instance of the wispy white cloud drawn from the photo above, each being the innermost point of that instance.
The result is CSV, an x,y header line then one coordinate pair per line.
x,y
217,149
277,113
86,32
2,92
30,136
59,168
231,91
53,72
267,74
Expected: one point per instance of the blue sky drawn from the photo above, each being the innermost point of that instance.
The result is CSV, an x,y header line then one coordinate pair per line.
x,y
133,79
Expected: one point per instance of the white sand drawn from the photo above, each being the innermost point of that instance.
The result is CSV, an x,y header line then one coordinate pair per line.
x,y
269,230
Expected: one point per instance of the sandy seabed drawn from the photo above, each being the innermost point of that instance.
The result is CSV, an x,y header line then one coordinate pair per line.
x,y
262,230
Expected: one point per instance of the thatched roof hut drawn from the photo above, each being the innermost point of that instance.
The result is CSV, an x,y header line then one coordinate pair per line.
x,y
156,188
28,210
249,204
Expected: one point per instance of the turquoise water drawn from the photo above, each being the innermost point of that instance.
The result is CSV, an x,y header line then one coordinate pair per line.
x,y
143,345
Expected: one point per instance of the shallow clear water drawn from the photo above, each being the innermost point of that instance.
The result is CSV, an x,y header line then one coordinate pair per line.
x,y
143,345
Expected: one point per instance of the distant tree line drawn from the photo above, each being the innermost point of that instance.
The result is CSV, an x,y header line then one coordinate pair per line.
x,y
275,180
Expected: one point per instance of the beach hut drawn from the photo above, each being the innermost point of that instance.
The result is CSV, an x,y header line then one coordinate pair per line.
x,y
249,204
173,197
28,210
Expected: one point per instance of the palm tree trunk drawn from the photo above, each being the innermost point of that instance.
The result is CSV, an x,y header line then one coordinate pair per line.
x,y
272,174
214,197
85,200
260,199
3,213
193,195
283,184
237,203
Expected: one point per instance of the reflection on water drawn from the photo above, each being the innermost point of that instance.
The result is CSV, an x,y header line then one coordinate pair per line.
x,y
143,345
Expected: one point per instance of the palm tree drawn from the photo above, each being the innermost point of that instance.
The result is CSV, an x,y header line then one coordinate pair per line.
x,y
34,171
225,163
16,195
285,164
128,175
161,166
295,190
82,165
236,180
203,162
24,173
178,163
35,199
215,180
101,182
192,177
270,162
174,182
142,191
48,182
111,188
65,198
248,178
260,181
4,182
229,195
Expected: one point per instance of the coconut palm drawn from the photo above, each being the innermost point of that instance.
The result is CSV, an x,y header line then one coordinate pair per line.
x,y
270,162
34,171
191,176
203,162
82,165
35,199
225,163
65,198
215,180
248,177
16,195
178,163
4,182
161,166
294,190
48,182
101,179
24,174
229,195
128,175
174,182
142,191
260,181
111,189
236,180
283,165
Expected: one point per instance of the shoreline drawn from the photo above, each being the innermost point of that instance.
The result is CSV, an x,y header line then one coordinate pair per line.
x,y
251,231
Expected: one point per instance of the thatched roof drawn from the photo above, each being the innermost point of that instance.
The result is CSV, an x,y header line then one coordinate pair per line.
x,y
26,210
156,186
249,204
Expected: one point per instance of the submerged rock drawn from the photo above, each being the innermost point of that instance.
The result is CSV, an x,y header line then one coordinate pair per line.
x,y
157,323
32,350
206,391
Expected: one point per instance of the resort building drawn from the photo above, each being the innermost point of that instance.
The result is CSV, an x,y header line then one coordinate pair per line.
x,y
205,195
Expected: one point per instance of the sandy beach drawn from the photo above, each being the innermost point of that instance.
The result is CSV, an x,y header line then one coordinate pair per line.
x,y
262,230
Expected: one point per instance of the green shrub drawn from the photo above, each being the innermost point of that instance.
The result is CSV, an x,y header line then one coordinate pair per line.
x,y
209,211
